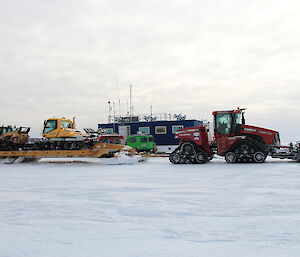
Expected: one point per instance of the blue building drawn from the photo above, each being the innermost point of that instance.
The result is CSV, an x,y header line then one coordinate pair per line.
x,y
163,131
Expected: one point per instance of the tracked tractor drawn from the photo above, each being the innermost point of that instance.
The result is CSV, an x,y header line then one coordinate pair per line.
x,y
239,142
12,138
61,134
233,139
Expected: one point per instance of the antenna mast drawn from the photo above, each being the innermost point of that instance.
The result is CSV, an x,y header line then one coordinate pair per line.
x,y
119,101
114,109
109,112
130,102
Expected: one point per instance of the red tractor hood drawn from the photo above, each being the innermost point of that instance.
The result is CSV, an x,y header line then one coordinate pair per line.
x,y
266,134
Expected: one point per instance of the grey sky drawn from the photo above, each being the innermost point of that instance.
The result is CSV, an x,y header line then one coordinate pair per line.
x,y
70,57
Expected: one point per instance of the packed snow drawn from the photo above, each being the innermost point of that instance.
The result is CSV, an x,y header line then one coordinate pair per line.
x,y
55,208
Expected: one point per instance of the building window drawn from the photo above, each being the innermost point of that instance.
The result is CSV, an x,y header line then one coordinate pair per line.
x,y
176,127
161,130
109,130
144,130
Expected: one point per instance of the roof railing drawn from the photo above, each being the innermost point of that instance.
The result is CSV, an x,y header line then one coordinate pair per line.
x,y
147,117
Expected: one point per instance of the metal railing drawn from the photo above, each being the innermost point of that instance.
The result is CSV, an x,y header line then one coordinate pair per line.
x,y
146,117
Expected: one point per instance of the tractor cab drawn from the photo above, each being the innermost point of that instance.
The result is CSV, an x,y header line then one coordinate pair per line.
x,y
5,129
13,137
228,122
60,128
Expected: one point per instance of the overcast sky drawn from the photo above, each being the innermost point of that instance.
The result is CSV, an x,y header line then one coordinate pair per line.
x,y
69,57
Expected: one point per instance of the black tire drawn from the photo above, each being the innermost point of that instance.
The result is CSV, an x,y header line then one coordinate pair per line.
x,y
174,158
187,147
244,150
79,146
244,147
90,144
184,160
230,157
75,145
49,146
259,157
67,145
201,157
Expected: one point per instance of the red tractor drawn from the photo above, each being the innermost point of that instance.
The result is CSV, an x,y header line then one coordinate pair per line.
x,y
233,139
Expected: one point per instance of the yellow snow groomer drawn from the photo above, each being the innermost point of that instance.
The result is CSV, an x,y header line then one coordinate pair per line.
x,y
62,134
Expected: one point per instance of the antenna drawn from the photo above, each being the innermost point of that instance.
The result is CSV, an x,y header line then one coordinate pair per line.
x,y
114,117
114,109
130,102
109,112
119,101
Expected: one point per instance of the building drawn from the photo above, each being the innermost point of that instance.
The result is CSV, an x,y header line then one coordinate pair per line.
x,y
162,129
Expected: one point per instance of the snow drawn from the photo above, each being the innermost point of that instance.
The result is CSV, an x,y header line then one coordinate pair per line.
x,y
154,208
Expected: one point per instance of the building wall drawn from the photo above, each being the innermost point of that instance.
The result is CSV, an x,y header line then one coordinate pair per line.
x,y
160,139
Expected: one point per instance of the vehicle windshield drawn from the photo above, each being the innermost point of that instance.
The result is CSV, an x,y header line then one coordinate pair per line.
x,y
24,130
4,130
223,123
65,124
50,126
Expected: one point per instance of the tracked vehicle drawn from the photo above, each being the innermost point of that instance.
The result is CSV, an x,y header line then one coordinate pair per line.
x,y
12,138
233,139
61,134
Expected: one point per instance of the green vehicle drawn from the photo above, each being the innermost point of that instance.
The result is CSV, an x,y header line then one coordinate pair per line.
x,y
141,143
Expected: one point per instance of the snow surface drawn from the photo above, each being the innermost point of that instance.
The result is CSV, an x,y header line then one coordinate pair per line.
x,y
154,208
